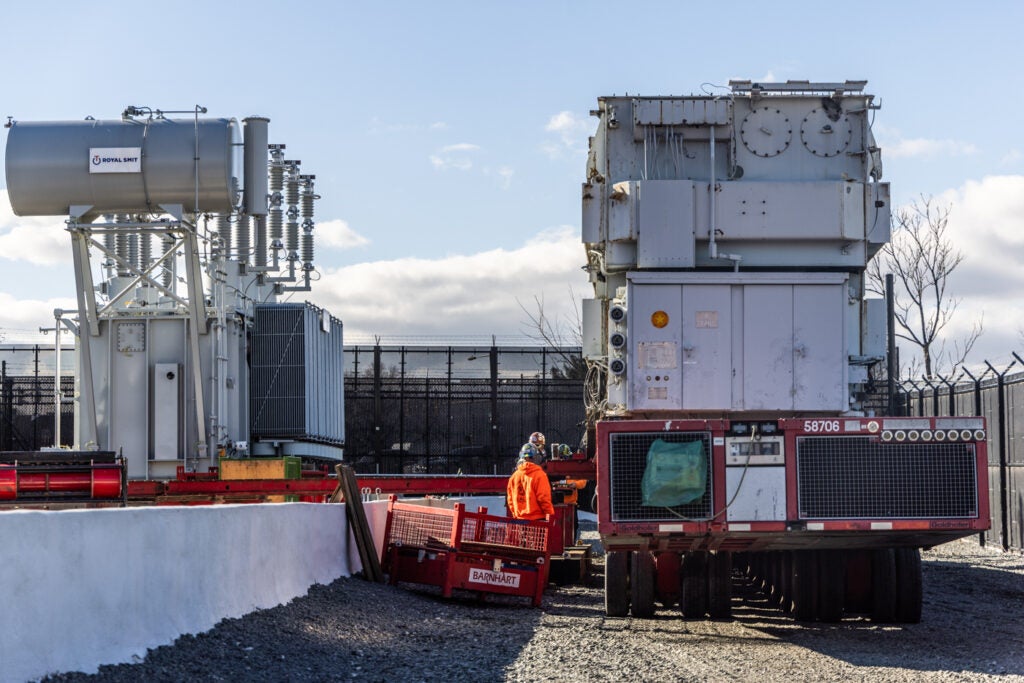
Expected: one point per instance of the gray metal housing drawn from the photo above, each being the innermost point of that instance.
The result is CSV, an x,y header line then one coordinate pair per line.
x,y
743,222
298,372
48,166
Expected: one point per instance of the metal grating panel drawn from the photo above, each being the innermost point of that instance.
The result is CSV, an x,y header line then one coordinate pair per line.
x,y
860,477
429,527
627,455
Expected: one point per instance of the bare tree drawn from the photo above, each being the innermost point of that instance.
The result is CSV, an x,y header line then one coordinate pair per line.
x,y
921,258
557,332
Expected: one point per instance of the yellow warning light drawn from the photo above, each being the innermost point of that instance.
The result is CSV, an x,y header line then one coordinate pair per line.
x,y
659,319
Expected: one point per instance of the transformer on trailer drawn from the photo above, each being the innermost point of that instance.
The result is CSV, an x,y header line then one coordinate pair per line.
x,y
731,346
179,228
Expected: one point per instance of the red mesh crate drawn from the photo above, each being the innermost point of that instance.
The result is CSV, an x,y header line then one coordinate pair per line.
x,y
467,550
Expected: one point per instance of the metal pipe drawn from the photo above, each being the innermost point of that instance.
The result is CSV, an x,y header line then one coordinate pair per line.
x,y
712,244
890,313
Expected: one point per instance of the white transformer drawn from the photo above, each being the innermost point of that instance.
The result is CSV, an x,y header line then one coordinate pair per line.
x,y
183,239
727,238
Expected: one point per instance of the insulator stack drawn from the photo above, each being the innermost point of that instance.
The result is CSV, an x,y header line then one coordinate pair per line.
x,y
291,243
278,166
260,235
145,251
167,276
276,224
307,247
133,250
224,232
292,186
109,239
242,239
308,197
121,249
307,203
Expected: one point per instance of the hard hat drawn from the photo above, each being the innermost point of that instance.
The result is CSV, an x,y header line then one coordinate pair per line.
x,y
529,452
537,439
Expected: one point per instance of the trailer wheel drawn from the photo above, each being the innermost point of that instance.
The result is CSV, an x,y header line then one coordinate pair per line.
x,y
804,585
883,586
831,585
908,581
693,600
720,585
616,583
641,584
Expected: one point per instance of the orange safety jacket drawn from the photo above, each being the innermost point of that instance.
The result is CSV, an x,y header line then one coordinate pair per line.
x,y
529,492
572,496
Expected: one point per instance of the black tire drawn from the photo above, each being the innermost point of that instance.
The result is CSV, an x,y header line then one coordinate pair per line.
x,y
784,596
831,585
641,584
720,585
804,585
883,586
693,593
908,583
616,583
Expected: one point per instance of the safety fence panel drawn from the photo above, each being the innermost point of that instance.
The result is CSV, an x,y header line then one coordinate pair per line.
x,y
999,397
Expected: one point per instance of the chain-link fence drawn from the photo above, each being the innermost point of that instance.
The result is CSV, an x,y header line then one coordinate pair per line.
x,y
457,409
27,400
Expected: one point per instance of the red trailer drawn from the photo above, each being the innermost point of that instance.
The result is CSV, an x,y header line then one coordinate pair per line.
x,y
827,514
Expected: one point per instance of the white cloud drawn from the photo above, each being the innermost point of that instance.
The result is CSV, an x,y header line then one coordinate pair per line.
x,y
460,147
41,240
454,157
986,224
571,131
459,294
924,147
339,235
22,318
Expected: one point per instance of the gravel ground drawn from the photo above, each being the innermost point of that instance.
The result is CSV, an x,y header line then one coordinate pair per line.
x,y
351,630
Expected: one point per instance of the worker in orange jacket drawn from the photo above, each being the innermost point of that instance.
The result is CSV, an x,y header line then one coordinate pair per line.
x,y
529,490
570,489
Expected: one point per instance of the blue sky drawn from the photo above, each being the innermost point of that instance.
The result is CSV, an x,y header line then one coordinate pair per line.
x,y
448,138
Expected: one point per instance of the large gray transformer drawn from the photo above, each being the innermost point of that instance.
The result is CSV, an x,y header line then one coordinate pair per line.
x,y
173,256
727,238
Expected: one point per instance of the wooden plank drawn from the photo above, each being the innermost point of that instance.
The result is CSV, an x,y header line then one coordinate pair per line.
x,y
357,522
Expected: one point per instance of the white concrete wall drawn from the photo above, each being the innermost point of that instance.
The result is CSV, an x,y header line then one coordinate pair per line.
x,y
82,588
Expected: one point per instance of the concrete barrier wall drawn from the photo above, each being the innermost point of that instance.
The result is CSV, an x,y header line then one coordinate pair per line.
x,y
89,587
83,588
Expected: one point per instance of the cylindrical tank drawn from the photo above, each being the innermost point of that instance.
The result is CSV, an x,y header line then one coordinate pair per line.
x,y
124,166
256,139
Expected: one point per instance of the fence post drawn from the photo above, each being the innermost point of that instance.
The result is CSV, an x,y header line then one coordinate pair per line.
x,y
1004,522
977,413
448,409
426,418
7,402
495,446
378,433
401,402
